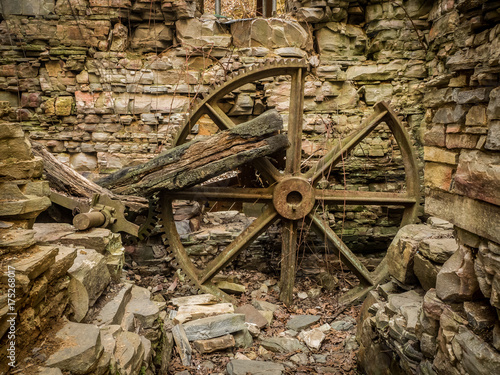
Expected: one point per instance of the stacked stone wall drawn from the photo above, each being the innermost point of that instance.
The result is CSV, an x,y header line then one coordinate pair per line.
x,y
34,289
448,323
462,141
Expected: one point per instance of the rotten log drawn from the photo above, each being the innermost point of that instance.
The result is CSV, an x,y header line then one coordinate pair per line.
x,y
67,182
201,159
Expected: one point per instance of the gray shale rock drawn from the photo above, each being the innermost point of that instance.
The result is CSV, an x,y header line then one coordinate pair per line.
x,y
129,353
141,308
89,277
80,349
113,311
244,367
457,280
438,250
283,344
300,322
214,326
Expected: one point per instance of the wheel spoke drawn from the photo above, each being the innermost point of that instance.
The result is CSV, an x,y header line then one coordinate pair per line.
x,y
239,243
267,169
202,193
174,240
343,147
364,197
218,116
345,254
293,153
186,130
288,259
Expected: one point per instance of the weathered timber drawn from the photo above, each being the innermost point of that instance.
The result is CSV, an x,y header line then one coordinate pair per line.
x,y
65,181
199,160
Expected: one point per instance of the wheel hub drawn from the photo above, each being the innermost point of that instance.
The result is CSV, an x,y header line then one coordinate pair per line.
x,y
293,198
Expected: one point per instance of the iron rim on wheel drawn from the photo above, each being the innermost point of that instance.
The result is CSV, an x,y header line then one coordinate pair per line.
x,y
291,195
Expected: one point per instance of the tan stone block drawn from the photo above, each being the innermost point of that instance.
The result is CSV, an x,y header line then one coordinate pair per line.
x,y
472,215
460,81
82,77
476,116
478,176
49,106
435,136
15,149
213,345
20,170
11,130
438,175
207,128
54,67
461,140
440,155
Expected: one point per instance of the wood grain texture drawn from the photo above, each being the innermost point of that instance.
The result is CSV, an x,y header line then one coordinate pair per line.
x,y
201,159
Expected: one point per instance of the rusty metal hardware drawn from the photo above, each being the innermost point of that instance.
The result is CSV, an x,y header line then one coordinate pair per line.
x,y
102,211
291,196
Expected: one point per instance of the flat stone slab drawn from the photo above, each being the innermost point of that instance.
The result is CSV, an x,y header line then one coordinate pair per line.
x,y
48,371
63,262
300,322
215,344
183,346
51,232
252,315
192,312
113,311
80,349
411,297
37,261
30,207
231,288
141,307
215,326
244,367
283,344
17,239
97,239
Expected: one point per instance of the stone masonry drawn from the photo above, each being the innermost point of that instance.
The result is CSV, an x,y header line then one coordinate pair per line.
x,y
439,315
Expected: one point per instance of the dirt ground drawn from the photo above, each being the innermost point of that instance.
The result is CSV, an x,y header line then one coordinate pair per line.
x,y
337,354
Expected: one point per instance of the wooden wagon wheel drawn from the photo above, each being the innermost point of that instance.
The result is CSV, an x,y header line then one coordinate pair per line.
x,y
291,195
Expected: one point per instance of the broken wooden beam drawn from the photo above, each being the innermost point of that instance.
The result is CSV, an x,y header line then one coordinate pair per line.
x,y
201,159
65,182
